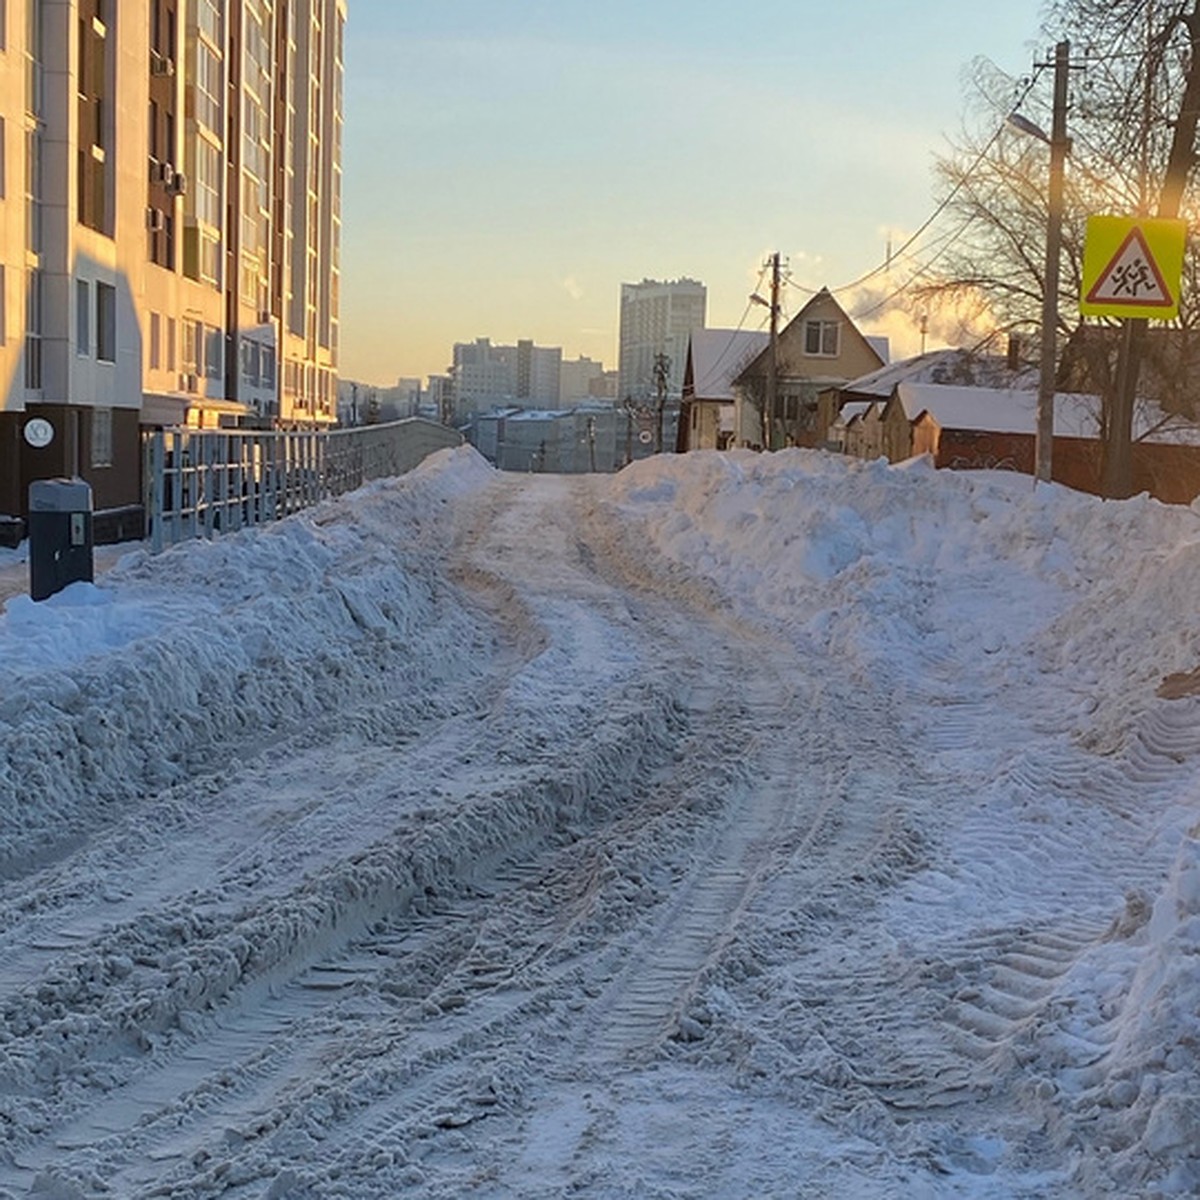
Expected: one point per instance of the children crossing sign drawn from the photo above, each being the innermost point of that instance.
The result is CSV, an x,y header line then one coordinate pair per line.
x,y
1133,267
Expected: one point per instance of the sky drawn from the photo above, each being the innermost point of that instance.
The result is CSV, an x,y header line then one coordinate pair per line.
x,y
739,825
507,167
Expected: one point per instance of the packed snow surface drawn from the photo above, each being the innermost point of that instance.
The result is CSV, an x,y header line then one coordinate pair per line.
x,y
736,826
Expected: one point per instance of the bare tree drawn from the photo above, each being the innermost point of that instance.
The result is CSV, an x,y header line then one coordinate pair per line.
x,y
1133,121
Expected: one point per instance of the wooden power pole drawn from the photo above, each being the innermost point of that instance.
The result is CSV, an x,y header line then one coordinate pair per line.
x,y
772,399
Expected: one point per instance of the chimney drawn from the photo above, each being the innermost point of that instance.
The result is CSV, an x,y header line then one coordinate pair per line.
x,y
1014,352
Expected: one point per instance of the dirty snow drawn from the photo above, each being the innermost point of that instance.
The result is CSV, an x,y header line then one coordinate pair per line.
x,y
739,825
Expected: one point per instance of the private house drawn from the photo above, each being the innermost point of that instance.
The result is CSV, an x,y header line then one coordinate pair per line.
x,y
951,367
820,348
715,357
973,428
863,437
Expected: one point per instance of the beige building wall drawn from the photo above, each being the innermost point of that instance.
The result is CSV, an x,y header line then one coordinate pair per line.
x,y
160,261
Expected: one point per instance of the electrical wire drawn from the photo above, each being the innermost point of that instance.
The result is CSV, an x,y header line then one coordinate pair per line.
x,y
745,313
937,212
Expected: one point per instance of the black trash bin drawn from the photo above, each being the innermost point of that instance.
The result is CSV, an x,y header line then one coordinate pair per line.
x,y
60,535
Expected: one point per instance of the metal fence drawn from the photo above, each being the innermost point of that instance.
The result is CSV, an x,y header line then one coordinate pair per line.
x,y
201,482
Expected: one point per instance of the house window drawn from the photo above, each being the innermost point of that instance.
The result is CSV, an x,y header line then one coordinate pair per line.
x,y
106,322
83,317
155,341
102,437
821,338
171,342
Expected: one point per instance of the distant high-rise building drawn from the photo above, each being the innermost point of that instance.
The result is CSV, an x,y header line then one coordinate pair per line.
x,y
656,318
486,375
171,217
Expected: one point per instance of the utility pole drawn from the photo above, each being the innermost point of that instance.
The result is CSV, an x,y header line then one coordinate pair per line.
x,y
662,368
769,400
1044,439
773,356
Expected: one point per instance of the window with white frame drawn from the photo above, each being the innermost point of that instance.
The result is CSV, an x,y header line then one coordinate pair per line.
x,y
822,338
102,437
208,88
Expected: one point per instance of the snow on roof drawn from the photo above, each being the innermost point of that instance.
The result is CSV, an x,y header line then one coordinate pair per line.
x,y
718,356
855,408
881,345
1008,410
949,367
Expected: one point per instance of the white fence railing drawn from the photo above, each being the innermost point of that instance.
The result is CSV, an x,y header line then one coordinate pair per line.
x,y
200,482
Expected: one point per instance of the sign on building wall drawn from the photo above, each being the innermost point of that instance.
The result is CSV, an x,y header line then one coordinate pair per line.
x,y
1133,267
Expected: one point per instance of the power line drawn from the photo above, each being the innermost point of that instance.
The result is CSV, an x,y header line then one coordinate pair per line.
x,y
937,212
745,313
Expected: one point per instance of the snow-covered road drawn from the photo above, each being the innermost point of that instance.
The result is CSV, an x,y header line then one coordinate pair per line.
x,y
739,826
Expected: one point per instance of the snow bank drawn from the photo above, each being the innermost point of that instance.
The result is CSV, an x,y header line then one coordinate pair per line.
x,y
176,664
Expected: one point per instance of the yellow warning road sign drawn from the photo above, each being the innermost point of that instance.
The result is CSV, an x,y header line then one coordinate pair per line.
x,y
1133,267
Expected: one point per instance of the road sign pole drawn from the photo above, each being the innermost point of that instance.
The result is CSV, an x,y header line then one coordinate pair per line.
x,y
1044,438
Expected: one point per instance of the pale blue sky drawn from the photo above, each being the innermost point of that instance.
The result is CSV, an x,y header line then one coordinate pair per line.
x,y
508,166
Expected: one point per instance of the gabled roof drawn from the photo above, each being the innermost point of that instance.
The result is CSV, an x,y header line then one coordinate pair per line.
x,y
821,299
965,367
1005,410
716,357
855,408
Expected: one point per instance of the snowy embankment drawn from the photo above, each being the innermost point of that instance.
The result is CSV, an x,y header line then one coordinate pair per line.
x,y
826,811
1062,615
173,665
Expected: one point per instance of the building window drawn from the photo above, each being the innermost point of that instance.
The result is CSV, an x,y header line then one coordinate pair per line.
x,y
83,317
213,366
33,330
821,338
33,190
171,342
208,89
155,341
106,322
208,17
205,190
102,437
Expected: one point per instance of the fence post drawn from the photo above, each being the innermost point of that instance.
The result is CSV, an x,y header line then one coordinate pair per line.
x,y
157,466
207,457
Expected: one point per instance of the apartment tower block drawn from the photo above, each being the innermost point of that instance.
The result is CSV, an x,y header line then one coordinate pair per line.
x,y
170,211
657,317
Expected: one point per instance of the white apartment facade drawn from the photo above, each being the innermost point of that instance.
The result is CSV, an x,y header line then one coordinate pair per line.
x,y
170,205
485,375
657,317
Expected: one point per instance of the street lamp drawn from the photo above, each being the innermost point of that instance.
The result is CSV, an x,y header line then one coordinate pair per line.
x,y
1059,145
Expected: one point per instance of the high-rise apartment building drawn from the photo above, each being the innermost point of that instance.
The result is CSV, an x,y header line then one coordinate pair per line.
x,y
485,375
657,317
170,205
